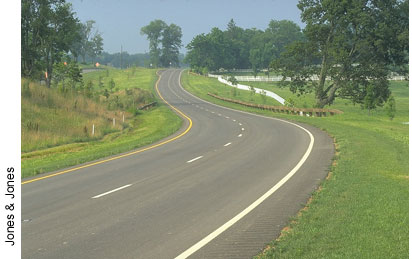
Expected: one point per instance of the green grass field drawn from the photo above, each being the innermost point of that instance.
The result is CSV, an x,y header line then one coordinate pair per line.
x,y
361,210
57,135
135,77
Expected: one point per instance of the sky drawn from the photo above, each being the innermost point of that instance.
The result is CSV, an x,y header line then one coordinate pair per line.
x,y
120,21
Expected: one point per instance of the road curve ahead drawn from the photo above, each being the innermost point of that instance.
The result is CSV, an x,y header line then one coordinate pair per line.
x,y
223,189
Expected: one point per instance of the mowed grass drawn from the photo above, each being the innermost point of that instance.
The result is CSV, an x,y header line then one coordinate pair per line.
x,y
361,210
76,146
135,77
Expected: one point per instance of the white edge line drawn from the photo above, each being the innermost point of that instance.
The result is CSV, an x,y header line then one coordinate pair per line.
x,y
239,216
115,190
243,213
194,159
228,144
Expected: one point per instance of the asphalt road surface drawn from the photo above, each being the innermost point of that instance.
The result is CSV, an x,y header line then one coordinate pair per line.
x,y
172,200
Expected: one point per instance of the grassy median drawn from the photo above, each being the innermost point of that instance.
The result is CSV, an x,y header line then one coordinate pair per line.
x,y
361,209
57,127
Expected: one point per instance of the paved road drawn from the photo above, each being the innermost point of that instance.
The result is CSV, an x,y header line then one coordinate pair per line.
x,y
160,202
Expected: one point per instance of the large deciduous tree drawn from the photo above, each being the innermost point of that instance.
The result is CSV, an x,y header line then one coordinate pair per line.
x,y
90,43
164,42
171,43
348,48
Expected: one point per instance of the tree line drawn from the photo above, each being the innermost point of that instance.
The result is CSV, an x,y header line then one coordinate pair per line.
x,y
125,59
347,49
50,35
241,48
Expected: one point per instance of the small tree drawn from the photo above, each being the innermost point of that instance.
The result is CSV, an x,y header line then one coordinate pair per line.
x,y
255,71
390,107
112,84
88,89
369,102
69,71
205,71
106,93
74,74
290,102
252,90
234,83
263,95
100,83
233,80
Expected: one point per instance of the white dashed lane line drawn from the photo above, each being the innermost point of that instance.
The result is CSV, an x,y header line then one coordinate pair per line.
x,y
240,135
115,190
227,144
194,159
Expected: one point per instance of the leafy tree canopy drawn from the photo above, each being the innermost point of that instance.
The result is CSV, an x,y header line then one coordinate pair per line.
x,y
347,50
48,30
241,48
169,37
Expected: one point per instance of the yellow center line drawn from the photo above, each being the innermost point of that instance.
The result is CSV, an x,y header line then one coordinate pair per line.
x,y
128,154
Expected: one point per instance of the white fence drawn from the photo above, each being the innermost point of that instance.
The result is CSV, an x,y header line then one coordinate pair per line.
x,y
279,78
257,90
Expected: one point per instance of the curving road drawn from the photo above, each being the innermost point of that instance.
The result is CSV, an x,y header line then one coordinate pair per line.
x,y
161,202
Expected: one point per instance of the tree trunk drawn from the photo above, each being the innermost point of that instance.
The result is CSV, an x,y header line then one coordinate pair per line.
x,y
328,96
322,96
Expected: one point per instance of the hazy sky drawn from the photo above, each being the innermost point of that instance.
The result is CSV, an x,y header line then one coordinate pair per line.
x,y
120,21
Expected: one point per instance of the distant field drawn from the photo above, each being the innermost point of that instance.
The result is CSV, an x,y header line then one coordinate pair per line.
x,y
57,127
361,210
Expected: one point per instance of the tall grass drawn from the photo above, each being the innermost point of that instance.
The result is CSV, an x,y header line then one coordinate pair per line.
x,y
57,126
50,118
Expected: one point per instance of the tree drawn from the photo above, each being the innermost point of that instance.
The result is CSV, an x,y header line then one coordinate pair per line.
x,y
171,43
49,29
96,46
69,71
153,31
207,50
90,43
347,44
390,107
239,48
232,79
369,100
